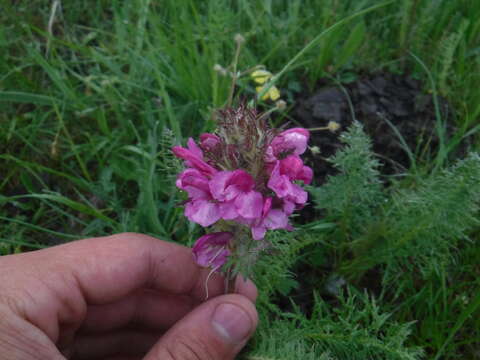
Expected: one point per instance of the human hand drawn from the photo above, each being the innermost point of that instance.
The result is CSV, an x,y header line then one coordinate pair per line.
x,y
126,296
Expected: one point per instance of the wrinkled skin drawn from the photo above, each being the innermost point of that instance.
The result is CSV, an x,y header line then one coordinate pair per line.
x,y
126,296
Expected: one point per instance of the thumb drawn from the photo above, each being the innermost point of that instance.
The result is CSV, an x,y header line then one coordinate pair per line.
x,y
215,330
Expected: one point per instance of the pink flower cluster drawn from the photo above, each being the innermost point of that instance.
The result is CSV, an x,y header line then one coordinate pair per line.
x,y
236,195
247,175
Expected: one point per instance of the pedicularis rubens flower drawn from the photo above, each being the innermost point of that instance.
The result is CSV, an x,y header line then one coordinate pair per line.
x,y
242,181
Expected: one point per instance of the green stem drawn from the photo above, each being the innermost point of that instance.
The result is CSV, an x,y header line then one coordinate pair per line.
x,y
234,74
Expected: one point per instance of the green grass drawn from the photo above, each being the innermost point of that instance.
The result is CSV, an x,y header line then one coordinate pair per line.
x,y
90,106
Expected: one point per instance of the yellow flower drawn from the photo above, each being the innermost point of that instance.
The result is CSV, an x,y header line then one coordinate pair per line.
x,y
261,77
272,93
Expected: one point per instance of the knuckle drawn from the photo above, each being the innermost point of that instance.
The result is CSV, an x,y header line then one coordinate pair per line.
x,y
12,302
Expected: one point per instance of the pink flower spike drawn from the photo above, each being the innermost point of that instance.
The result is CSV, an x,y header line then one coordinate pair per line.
x,y
211,250
296,138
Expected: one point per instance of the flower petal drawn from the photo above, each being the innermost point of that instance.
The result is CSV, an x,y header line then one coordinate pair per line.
x,y
228,210
276,219
280,184
258,232
291,166
290,141
209,141
211,250
249,205
261,76
202,212
305,175
267,205
218,183
288,207
227,185
274,93
298,195
193,147
194,183
193,160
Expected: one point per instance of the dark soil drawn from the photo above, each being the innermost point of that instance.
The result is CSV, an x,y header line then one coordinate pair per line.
x,y
374,100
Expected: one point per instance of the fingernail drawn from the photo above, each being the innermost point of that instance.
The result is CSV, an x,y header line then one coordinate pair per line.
x,y
231,322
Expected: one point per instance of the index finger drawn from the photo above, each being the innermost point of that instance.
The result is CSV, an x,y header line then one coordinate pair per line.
x,y
108,268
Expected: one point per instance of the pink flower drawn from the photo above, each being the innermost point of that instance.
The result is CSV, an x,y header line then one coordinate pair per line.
x,y
209,142
226,178
194,183
293,167
235,192
193,157
211,250
271,219
282,185
201,206
291,141
288,207
203,211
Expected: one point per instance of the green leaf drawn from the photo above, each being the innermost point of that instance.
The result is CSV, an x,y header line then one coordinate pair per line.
x,y
26,98
352,44
75,205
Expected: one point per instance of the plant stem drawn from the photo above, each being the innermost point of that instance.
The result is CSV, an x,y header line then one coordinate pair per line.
x,y
234,74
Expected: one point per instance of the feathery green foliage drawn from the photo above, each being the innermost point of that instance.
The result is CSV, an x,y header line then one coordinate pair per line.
x,y
354,329
390,227
410,233
352,196
430,221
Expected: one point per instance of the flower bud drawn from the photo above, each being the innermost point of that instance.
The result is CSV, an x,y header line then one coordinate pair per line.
x,y
239,39
333,126
281,105
220,69
211,250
